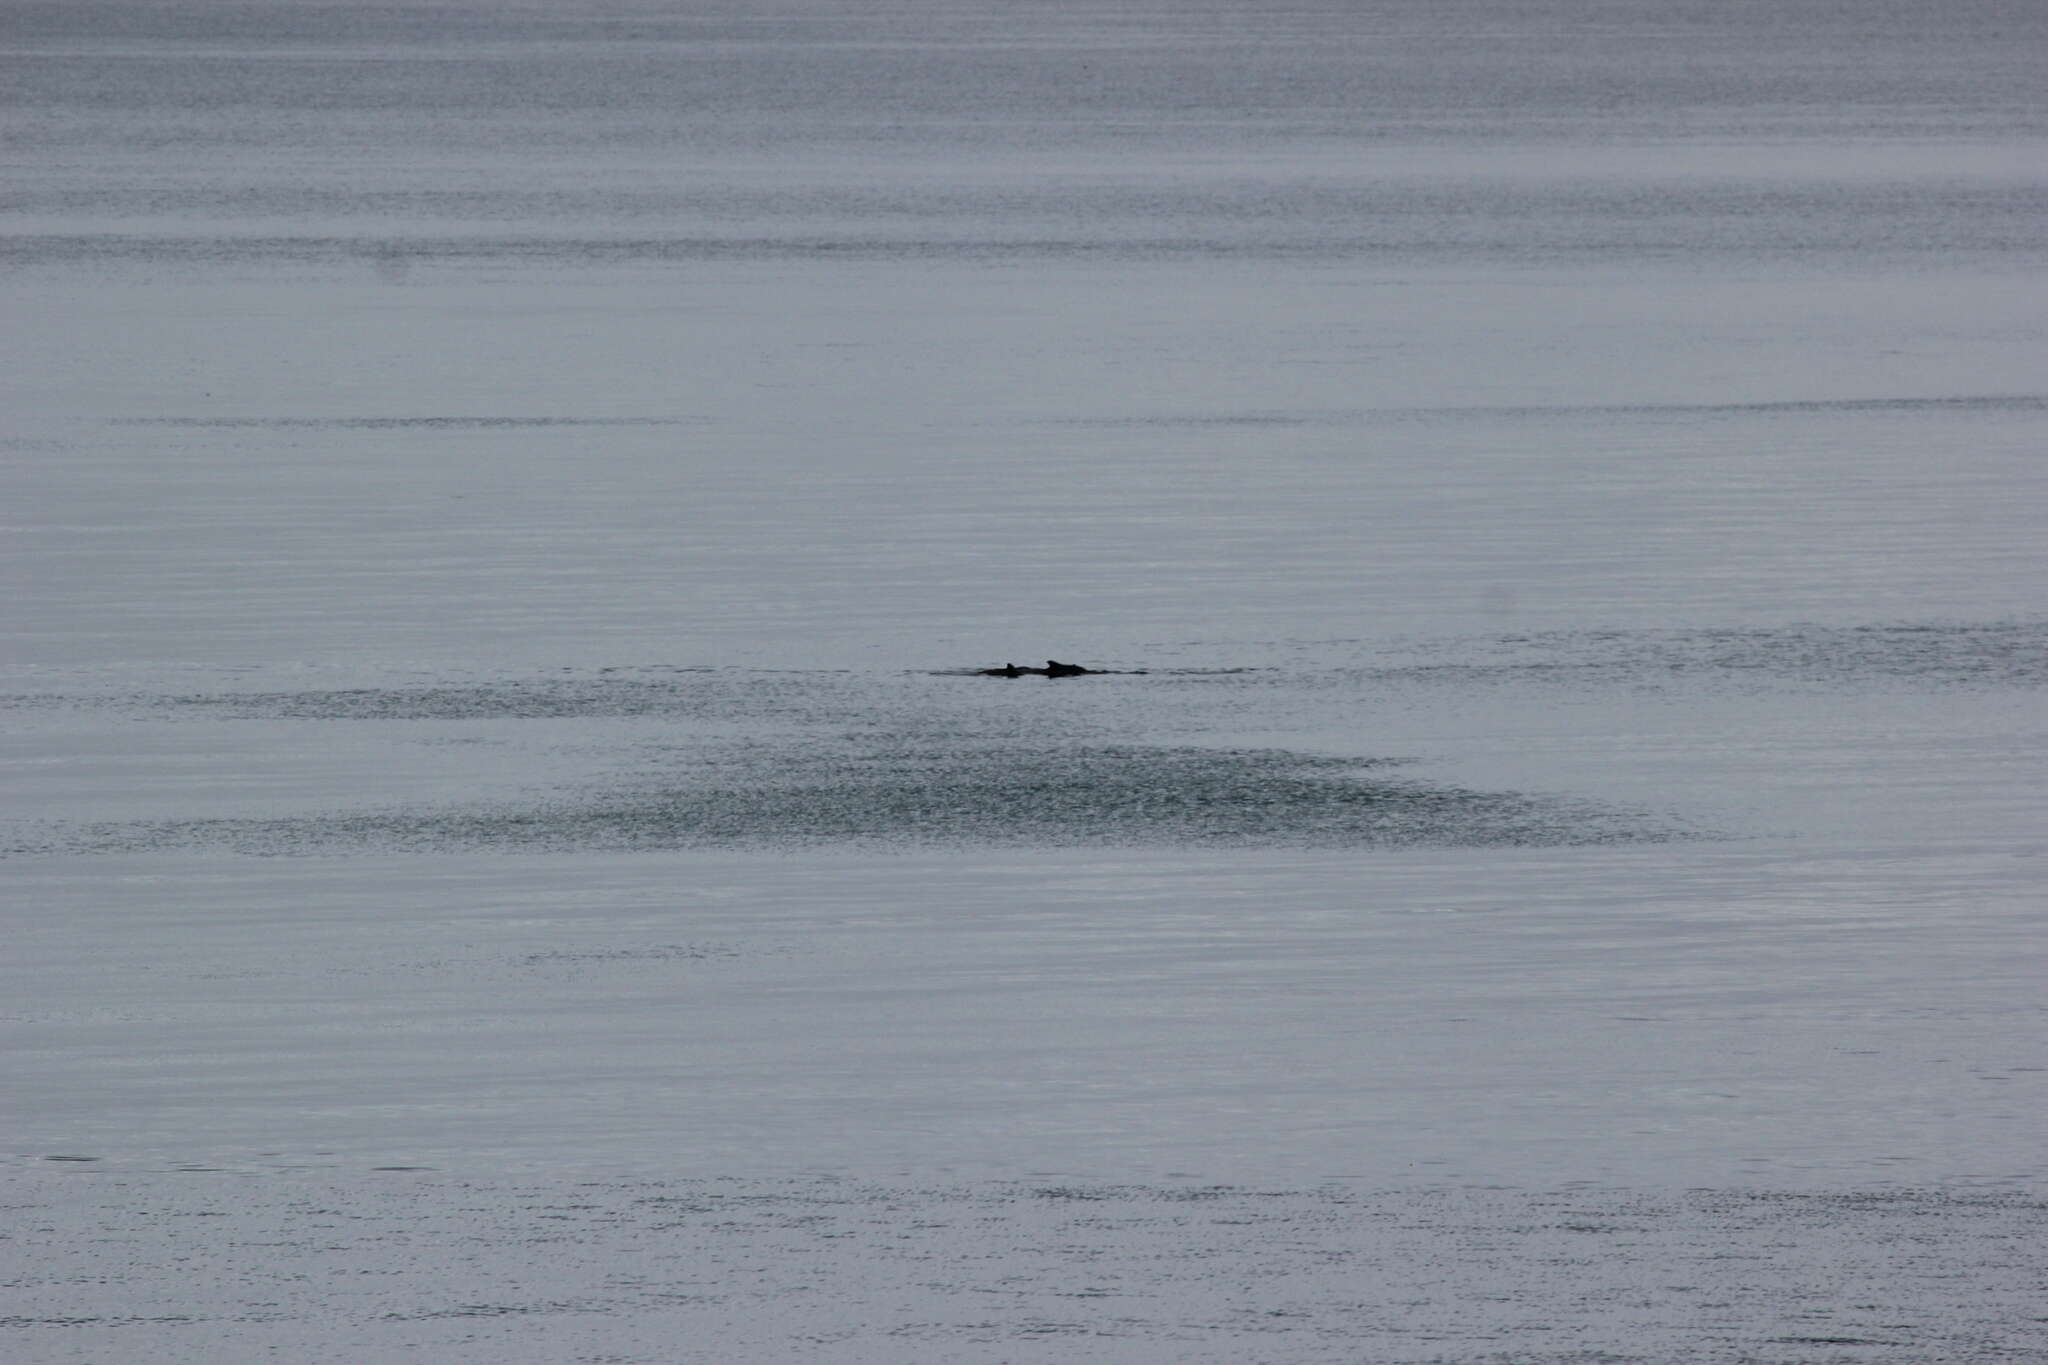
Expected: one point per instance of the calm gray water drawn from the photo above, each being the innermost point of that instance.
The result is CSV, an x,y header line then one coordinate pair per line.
x,y
928,334
509,499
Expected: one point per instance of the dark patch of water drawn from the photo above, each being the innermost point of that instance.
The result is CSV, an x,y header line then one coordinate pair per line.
x,y
1998,653
973,794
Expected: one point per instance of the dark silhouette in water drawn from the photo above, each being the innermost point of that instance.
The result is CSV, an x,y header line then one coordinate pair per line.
x,y
1053,669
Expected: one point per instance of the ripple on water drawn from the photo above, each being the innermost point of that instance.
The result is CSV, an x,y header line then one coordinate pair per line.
x,y
798,792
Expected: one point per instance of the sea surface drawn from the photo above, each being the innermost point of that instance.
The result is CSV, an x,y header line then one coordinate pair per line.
x,y
506,507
